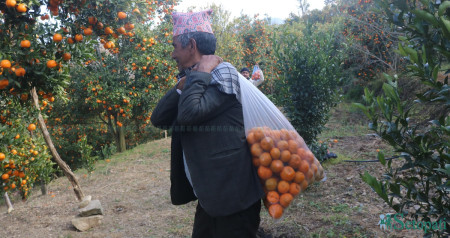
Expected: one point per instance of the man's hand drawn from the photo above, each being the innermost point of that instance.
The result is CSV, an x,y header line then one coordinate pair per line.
x,y
180,84
208,63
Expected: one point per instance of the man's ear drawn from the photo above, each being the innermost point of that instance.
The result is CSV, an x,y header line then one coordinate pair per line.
x,y
192,44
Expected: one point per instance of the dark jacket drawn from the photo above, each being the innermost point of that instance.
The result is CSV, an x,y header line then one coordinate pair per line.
x,y
208,125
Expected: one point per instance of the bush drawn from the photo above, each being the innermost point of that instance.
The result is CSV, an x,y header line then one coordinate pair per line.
x,y
419,187
309,85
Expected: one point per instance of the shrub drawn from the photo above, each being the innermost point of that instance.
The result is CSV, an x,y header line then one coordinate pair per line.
x,y
419,187
309,84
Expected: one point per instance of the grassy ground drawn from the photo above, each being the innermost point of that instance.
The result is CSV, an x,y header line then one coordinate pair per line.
x,y
133,188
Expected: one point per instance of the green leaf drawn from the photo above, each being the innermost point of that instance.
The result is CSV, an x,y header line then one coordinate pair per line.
x,y
362,108
426,16
381,158
443,7
376,185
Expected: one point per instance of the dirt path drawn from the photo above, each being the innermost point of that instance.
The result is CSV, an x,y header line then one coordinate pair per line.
x,y
134,191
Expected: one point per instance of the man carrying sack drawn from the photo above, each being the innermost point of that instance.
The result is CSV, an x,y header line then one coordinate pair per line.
x,y
210,157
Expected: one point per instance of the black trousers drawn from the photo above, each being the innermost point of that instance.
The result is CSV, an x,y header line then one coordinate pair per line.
x,y
241,224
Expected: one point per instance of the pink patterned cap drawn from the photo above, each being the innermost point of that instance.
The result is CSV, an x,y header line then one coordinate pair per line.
x,y
191,22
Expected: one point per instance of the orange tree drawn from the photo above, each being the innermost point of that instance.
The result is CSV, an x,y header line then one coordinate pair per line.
x,y
371,39
118,89
257,48
36,47
24,158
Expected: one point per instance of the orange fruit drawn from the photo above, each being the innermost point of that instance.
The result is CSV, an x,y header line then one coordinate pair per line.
x,y
285,134
51,64
10,3
5,176
304,185
282,145
293,135
92,20
4,83
286,199
267,143
299,177
285,156
121,30
295,161
309,175
78,37
276,211
16,173
256,150
108,30
25,44
20,72
57,37
264,172
67,56
31,127
21,7
121,15
304,167
87,31
276,135
2,156
271,184
305,154
265,159
276,166
251,138
283,186
259,134
70,40
6,64
292,146
294,189
13,186
275,153
21,174
272,197
287,174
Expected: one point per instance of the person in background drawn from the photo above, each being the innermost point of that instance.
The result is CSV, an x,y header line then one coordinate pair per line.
x,y
210,156
246,73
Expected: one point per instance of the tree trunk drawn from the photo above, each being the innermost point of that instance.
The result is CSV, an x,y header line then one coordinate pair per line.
x,y
43,188
65,168
123,145
8,203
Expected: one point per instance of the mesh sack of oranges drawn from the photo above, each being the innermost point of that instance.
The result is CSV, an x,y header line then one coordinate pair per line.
x,y
257,73
285,165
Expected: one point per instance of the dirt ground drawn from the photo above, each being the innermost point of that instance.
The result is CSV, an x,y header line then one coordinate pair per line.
x,y
133,188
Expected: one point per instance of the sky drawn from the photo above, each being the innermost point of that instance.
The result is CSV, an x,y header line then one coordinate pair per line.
x,y
274,8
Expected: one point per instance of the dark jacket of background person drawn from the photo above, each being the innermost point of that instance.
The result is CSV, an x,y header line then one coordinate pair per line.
x,y
208,125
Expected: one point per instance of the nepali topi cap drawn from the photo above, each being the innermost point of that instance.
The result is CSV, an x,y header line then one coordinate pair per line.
x,y
191,22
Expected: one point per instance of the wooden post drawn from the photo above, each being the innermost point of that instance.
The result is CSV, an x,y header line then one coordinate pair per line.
x,y
8,203
65,168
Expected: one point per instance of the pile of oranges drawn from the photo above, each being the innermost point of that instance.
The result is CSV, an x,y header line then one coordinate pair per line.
x,y
285,166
